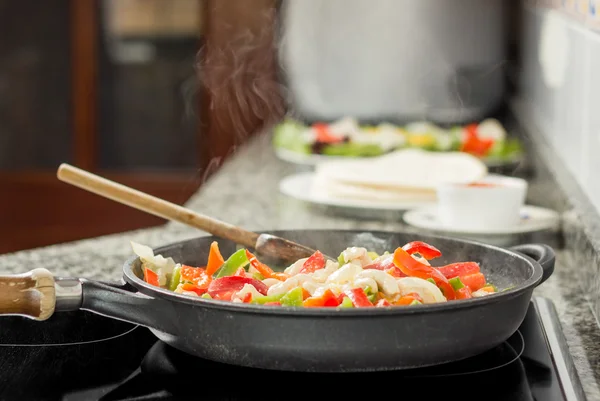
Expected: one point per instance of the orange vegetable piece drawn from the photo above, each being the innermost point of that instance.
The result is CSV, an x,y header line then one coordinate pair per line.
x,y
215,260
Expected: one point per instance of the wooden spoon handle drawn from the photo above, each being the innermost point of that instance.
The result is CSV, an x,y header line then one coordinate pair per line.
x,y
153,205
30,294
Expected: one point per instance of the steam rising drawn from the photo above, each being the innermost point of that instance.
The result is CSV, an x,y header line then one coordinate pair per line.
x,y
239,76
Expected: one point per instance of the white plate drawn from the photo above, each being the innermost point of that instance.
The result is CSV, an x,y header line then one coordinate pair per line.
x,y
314,159
299,186
533,218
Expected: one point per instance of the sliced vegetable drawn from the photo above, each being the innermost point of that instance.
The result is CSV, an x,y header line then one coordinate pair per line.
x,y
347,303
240,272
224,287
276,303
475,145
236,260
263,269
387,265
383,302
406,300
459,269
258,276
215,260
358,297
463,293
456,283
313,263
488,288
432,281
414,268
325,135
415,302
267,299
175,278
193,288
195,275
473,281
206,296
247,298
150,277
327,299
425,250
292,298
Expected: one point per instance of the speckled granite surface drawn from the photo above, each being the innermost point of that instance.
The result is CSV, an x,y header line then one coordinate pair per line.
x,y
244,192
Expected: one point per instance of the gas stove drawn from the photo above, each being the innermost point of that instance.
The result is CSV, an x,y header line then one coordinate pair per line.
x,y
82,356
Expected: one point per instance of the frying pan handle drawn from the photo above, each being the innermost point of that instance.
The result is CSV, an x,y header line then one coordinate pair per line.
x,y
122,302
541,253
31,294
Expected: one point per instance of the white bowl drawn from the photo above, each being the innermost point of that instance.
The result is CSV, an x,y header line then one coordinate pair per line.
x,y
493,202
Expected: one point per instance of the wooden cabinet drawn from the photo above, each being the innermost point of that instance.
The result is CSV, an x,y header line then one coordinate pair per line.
x,y
135,90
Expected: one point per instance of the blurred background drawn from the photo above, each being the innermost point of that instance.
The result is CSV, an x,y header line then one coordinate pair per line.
x,y
115,87
155,94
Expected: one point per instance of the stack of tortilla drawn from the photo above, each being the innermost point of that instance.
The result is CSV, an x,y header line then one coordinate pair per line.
x,y
408,175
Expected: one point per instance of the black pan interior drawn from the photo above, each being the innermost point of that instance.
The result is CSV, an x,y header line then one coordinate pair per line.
x,y
502,268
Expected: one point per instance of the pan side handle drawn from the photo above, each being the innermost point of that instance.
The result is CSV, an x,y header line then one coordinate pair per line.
x,y
541,253
31,294
121,302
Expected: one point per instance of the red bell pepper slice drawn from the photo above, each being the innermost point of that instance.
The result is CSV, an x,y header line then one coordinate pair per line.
x,y
276,303
151,277
327,299
193,288
315,262
240,272
224,287
196,275
459,269
463,293
414,268
358,297
263,269
473,281
386,265
324,134
473,144
382,303
425,250
247,298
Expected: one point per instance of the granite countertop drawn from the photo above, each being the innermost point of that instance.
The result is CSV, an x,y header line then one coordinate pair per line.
x,y
245,192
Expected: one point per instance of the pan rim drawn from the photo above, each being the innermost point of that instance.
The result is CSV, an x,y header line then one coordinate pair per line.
x,y
327,312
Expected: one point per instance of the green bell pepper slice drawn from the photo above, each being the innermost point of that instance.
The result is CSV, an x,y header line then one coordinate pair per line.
x,y
415,302
292,298
206,296
346,303
456,283
236,260
175,278
267,298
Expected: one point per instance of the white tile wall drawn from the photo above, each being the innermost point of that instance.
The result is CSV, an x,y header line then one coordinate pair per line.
x,y
592,128
567,113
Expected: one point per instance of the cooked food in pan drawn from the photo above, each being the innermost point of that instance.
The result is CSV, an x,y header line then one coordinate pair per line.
x,y
358,279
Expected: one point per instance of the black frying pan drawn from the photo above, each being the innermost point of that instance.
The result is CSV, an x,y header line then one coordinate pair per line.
x,y
311,339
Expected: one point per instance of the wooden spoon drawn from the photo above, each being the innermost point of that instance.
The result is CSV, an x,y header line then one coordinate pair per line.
x,y
273,247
